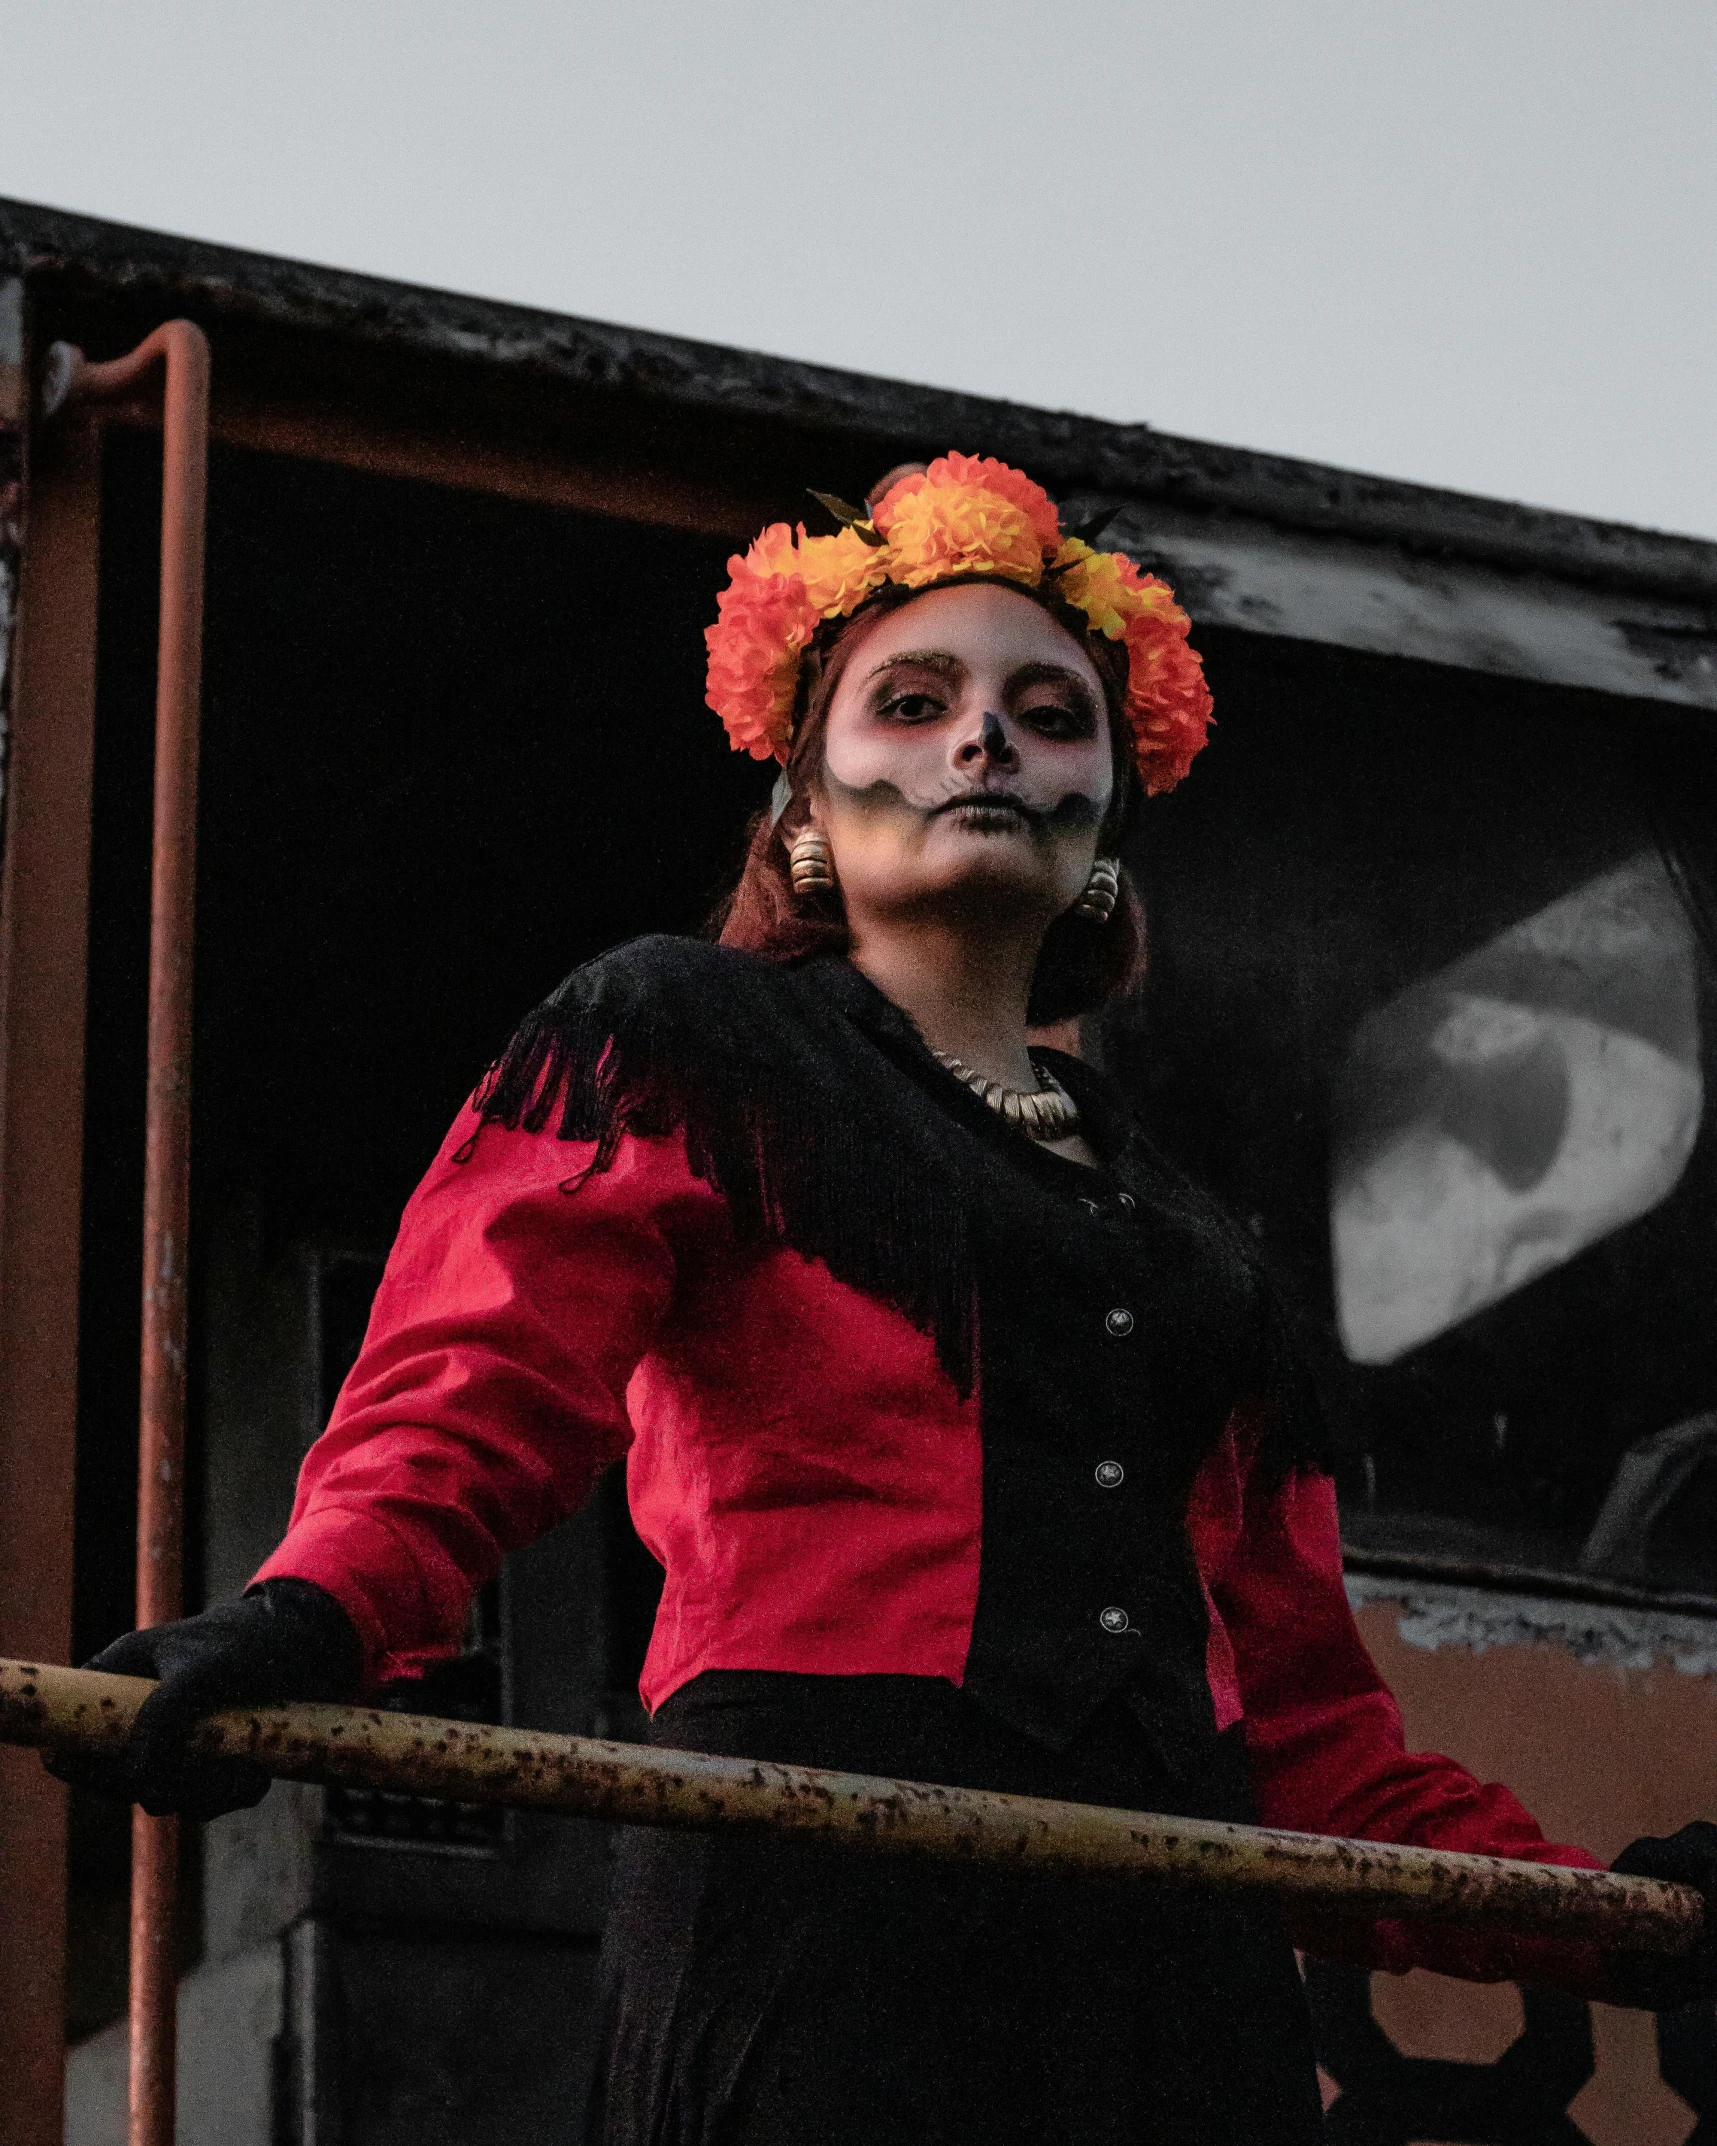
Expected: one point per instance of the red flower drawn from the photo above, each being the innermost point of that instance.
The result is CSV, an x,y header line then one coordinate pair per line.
x,y
765,618
1168,701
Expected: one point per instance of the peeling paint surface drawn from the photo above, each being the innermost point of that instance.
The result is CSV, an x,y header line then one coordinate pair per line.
x,y
1432,1614
1384,600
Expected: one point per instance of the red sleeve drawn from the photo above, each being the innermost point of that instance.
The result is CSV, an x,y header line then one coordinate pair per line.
x,y
1327,1755
491,1388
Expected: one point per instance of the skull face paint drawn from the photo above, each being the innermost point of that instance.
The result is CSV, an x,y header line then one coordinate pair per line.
x,y
967,752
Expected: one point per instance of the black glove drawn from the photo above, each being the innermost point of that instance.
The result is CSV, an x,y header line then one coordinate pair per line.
x,y
1660,1981
287,1639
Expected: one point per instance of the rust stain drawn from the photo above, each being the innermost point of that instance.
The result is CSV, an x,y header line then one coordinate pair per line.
x,y
862,1814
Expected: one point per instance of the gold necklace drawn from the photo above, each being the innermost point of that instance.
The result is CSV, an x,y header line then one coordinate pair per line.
x,y
1045,1113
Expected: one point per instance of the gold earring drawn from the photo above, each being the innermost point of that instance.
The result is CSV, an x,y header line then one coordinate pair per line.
x,y
809,862
1102,891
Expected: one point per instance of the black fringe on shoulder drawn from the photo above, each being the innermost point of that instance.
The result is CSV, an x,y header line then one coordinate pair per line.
x,y
790,1112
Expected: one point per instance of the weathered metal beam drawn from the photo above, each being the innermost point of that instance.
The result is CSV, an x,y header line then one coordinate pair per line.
x,y
80,1710
180,351
1387,598
714,386
44,939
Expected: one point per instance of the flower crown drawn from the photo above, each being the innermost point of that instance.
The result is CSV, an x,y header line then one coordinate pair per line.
x,y
965,514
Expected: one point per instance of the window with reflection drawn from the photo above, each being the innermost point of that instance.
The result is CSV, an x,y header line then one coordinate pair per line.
x,y
1431,1004
1493,1120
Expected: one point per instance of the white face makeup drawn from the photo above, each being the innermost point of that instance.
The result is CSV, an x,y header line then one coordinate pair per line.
x,y
966,754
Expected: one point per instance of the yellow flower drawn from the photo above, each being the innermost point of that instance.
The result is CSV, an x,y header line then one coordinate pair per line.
x,y
976,473
774,550
1110,590
941,530
1091,581
840,571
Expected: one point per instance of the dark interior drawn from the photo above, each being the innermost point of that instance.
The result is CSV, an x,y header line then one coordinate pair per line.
x,y
454,745
445,758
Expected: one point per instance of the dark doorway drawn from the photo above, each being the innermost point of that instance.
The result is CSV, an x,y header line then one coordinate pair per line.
x,y
452,746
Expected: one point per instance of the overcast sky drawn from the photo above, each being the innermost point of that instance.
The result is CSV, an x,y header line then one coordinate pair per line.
x,y
1464,241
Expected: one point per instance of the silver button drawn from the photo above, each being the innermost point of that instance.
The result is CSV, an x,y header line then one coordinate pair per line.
x,y
1127,1201
1114,1620
1119,1322
1091,1206
1110,1475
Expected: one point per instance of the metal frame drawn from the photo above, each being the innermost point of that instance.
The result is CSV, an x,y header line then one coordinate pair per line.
x,y
180,351
44,908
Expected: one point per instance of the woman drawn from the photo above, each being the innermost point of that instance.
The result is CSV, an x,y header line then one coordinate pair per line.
x,y
965,1429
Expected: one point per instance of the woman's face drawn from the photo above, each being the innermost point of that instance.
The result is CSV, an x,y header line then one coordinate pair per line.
x,y
966,759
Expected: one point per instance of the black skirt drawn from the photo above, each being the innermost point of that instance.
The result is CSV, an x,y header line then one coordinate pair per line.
x,y
767,1993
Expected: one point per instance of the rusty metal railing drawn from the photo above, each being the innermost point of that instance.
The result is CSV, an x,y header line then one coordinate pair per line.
x,y
181,351
78,1710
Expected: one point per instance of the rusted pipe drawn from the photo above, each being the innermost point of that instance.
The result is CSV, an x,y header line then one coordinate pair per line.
x,y
182,350
357,1747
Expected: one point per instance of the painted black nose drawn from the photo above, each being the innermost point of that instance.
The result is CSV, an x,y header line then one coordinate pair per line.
x,y
993,742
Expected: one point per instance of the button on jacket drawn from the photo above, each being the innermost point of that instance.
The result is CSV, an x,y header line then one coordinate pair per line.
x,y
1098,1516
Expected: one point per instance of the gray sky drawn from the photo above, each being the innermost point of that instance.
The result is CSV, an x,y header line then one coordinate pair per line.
x,y
1464,241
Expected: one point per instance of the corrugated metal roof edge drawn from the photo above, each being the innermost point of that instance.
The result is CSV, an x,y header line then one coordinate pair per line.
x,y
1091,455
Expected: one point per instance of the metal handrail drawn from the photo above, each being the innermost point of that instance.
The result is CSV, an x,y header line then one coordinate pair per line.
x,y
81,1711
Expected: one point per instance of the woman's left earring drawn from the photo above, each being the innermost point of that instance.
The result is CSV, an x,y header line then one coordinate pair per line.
x,y
1102,891
810,863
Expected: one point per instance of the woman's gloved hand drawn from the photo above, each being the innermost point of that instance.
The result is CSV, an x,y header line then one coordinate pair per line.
x,y
284,1640
1659,1981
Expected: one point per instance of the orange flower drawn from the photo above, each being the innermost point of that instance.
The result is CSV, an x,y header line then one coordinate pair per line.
x,y
990,475
883,513
1110,589
976,473
840,571
1168,701
765,618
774,550
940,530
